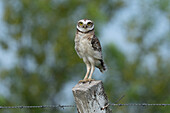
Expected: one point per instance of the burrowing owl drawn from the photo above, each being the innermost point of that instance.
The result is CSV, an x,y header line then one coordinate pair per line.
x,y
88,48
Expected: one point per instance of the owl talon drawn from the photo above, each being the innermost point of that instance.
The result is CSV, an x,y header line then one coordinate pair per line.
x,y
90,80
83,81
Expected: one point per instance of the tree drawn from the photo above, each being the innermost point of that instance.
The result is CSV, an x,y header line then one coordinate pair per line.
x,y
144,76
43,33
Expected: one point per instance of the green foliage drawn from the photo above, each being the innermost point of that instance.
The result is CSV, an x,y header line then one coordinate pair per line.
x,y
3,44
44,30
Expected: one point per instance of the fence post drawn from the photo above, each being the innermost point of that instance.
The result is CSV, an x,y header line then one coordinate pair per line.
x,y
91,98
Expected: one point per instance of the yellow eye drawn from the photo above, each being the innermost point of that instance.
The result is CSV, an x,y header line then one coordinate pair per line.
x,y
80,23
89,23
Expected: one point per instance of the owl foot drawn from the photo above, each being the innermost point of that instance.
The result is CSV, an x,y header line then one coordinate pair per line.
x,y
90,80
83,81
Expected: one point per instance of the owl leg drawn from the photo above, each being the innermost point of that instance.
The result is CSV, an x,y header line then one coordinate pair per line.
x,y
87,73
91,73
88,70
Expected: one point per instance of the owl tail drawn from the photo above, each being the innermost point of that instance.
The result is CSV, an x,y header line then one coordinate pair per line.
x,y
102,67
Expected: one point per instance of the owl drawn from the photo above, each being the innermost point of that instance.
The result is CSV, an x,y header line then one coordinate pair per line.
x,y
88,48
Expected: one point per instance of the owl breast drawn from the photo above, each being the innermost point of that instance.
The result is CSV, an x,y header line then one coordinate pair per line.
x,y
83,46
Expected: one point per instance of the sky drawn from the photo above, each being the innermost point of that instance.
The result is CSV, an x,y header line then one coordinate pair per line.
x,y
7,57
112,32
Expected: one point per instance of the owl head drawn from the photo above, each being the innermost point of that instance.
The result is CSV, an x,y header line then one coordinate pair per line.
x,y
85,25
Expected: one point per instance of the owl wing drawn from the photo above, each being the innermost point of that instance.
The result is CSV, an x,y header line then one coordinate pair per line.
x,y
96,47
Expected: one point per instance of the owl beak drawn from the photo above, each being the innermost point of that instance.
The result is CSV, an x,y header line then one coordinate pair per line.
x,y
84,26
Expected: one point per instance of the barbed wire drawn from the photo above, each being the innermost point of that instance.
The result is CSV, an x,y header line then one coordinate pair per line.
x,y
144,104
42,106
73,106
119,99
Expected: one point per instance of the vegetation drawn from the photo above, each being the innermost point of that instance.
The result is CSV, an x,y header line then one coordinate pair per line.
x,y
42,33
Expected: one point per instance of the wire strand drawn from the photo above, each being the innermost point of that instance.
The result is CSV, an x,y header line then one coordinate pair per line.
x,y
73,106
134,104
42,106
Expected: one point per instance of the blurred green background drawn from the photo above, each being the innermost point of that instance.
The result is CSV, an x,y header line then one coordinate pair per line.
x,y
39,66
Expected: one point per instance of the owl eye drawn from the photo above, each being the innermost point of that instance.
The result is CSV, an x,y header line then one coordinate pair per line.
x,y
89,23
80,23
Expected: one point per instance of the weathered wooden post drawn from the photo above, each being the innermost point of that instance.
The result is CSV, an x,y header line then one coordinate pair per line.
x,y
91,98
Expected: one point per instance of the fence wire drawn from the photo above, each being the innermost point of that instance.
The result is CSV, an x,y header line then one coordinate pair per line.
x,y
132,104
43,106
73,106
